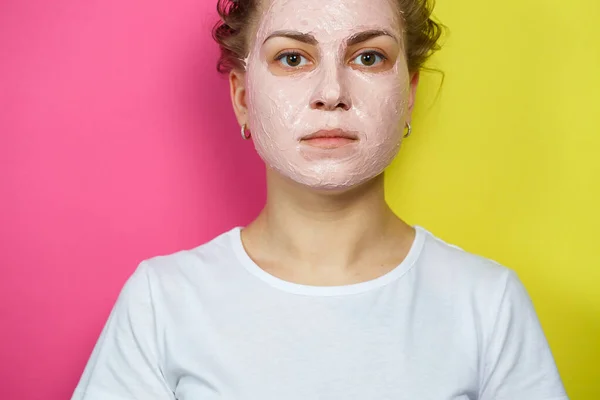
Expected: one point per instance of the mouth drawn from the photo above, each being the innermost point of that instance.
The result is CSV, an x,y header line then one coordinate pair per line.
x,y
329,139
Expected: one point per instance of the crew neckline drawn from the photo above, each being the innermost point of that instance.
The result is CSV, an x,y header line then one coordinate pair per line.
x,y
310,290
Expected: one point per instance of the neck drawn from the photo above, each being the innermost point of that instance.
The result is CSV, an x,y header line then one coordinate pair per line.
x,y
309,230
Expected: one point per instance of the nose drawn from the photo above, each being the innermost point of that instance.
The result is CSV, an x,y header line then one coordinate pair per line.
x,y
331,93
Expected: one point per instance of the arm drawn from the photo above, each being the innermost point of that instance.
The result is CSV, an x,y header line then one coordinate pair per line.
x,y
518,364
125,362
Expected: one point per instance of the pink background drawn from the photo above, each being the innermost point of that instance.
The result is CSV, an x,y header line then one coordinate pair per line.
x,y
117,143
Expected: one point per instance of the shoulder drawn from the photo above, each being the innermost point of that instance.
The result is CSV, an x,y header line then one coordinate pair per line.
x,y
465,286
180,274
450,266
469,293
207,255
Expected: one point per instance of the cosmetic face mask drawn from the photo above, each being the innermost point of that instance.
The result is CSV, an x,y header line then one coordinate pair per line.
x,y
328,83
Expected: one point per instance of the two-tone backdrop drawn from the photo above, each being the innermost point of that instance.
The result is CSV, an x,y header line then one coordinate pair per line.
x,y
118,143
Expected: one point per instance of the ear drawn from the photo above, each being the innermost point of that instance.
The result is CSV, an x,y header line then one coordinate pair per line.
x,y
237,86
414,82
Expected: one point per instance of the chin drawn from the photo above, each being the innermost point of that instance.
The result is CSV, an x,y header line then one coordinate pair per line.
x,y
333,183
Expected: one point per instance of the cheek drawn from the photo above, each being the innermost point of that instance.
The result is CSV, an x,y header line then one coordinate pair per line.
x,y
277,102
380,102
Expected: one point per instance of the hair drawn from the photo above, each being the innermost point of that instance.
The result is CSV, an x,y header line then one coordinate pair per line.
x,y
232,32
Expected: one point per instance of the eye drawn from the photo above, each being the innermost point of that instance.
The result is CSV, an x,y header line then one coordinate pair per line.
x,y
292,60
369,59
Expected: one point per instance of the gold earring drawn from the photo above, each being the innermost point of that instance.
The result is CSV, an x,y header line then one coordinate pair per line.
x,y
409,130
245,135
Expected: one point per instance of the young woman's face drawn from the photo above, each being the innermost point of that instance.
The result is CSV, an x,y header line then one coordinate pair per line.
x,y
327,68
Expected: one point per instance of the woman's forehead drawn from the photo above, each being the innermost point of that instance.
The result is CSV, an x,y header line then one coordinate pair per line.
x,y
328,17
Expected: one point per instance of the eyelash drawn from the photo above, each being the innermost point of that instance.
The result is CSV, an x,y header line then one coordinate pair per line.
x,y
293,53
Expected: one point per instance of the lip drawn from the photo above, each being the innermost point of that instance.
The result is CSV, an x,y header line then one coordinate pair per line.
x,y
329,139
331,133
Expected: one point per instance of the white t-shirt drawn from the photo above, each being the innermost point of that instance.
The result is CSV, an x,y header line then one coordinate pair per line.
x,y
208,323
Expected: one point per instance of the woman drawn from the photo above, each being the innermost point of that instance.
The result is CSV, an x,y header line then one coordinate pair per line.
x,y
326,294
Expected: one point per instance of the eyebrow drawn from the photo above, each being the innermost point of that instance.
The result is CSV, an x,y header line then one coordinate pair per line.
x,y
352,40
366,35
299,36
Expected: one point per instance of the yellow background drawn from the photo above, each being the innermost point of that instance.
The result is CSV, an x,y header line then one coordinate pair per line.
x,y
504,159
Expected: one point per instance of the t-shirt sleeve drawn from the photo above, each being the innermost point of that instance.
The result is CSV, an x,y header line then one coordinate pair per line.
x,y
125,362
518,363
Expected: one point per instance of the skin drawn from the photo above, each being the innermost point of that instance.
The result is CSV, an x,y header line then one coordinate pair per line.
x,y
324,200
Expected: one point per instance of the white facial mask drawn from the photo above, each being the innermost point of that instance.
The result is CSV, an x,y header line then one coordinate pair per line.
x,y
284,108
